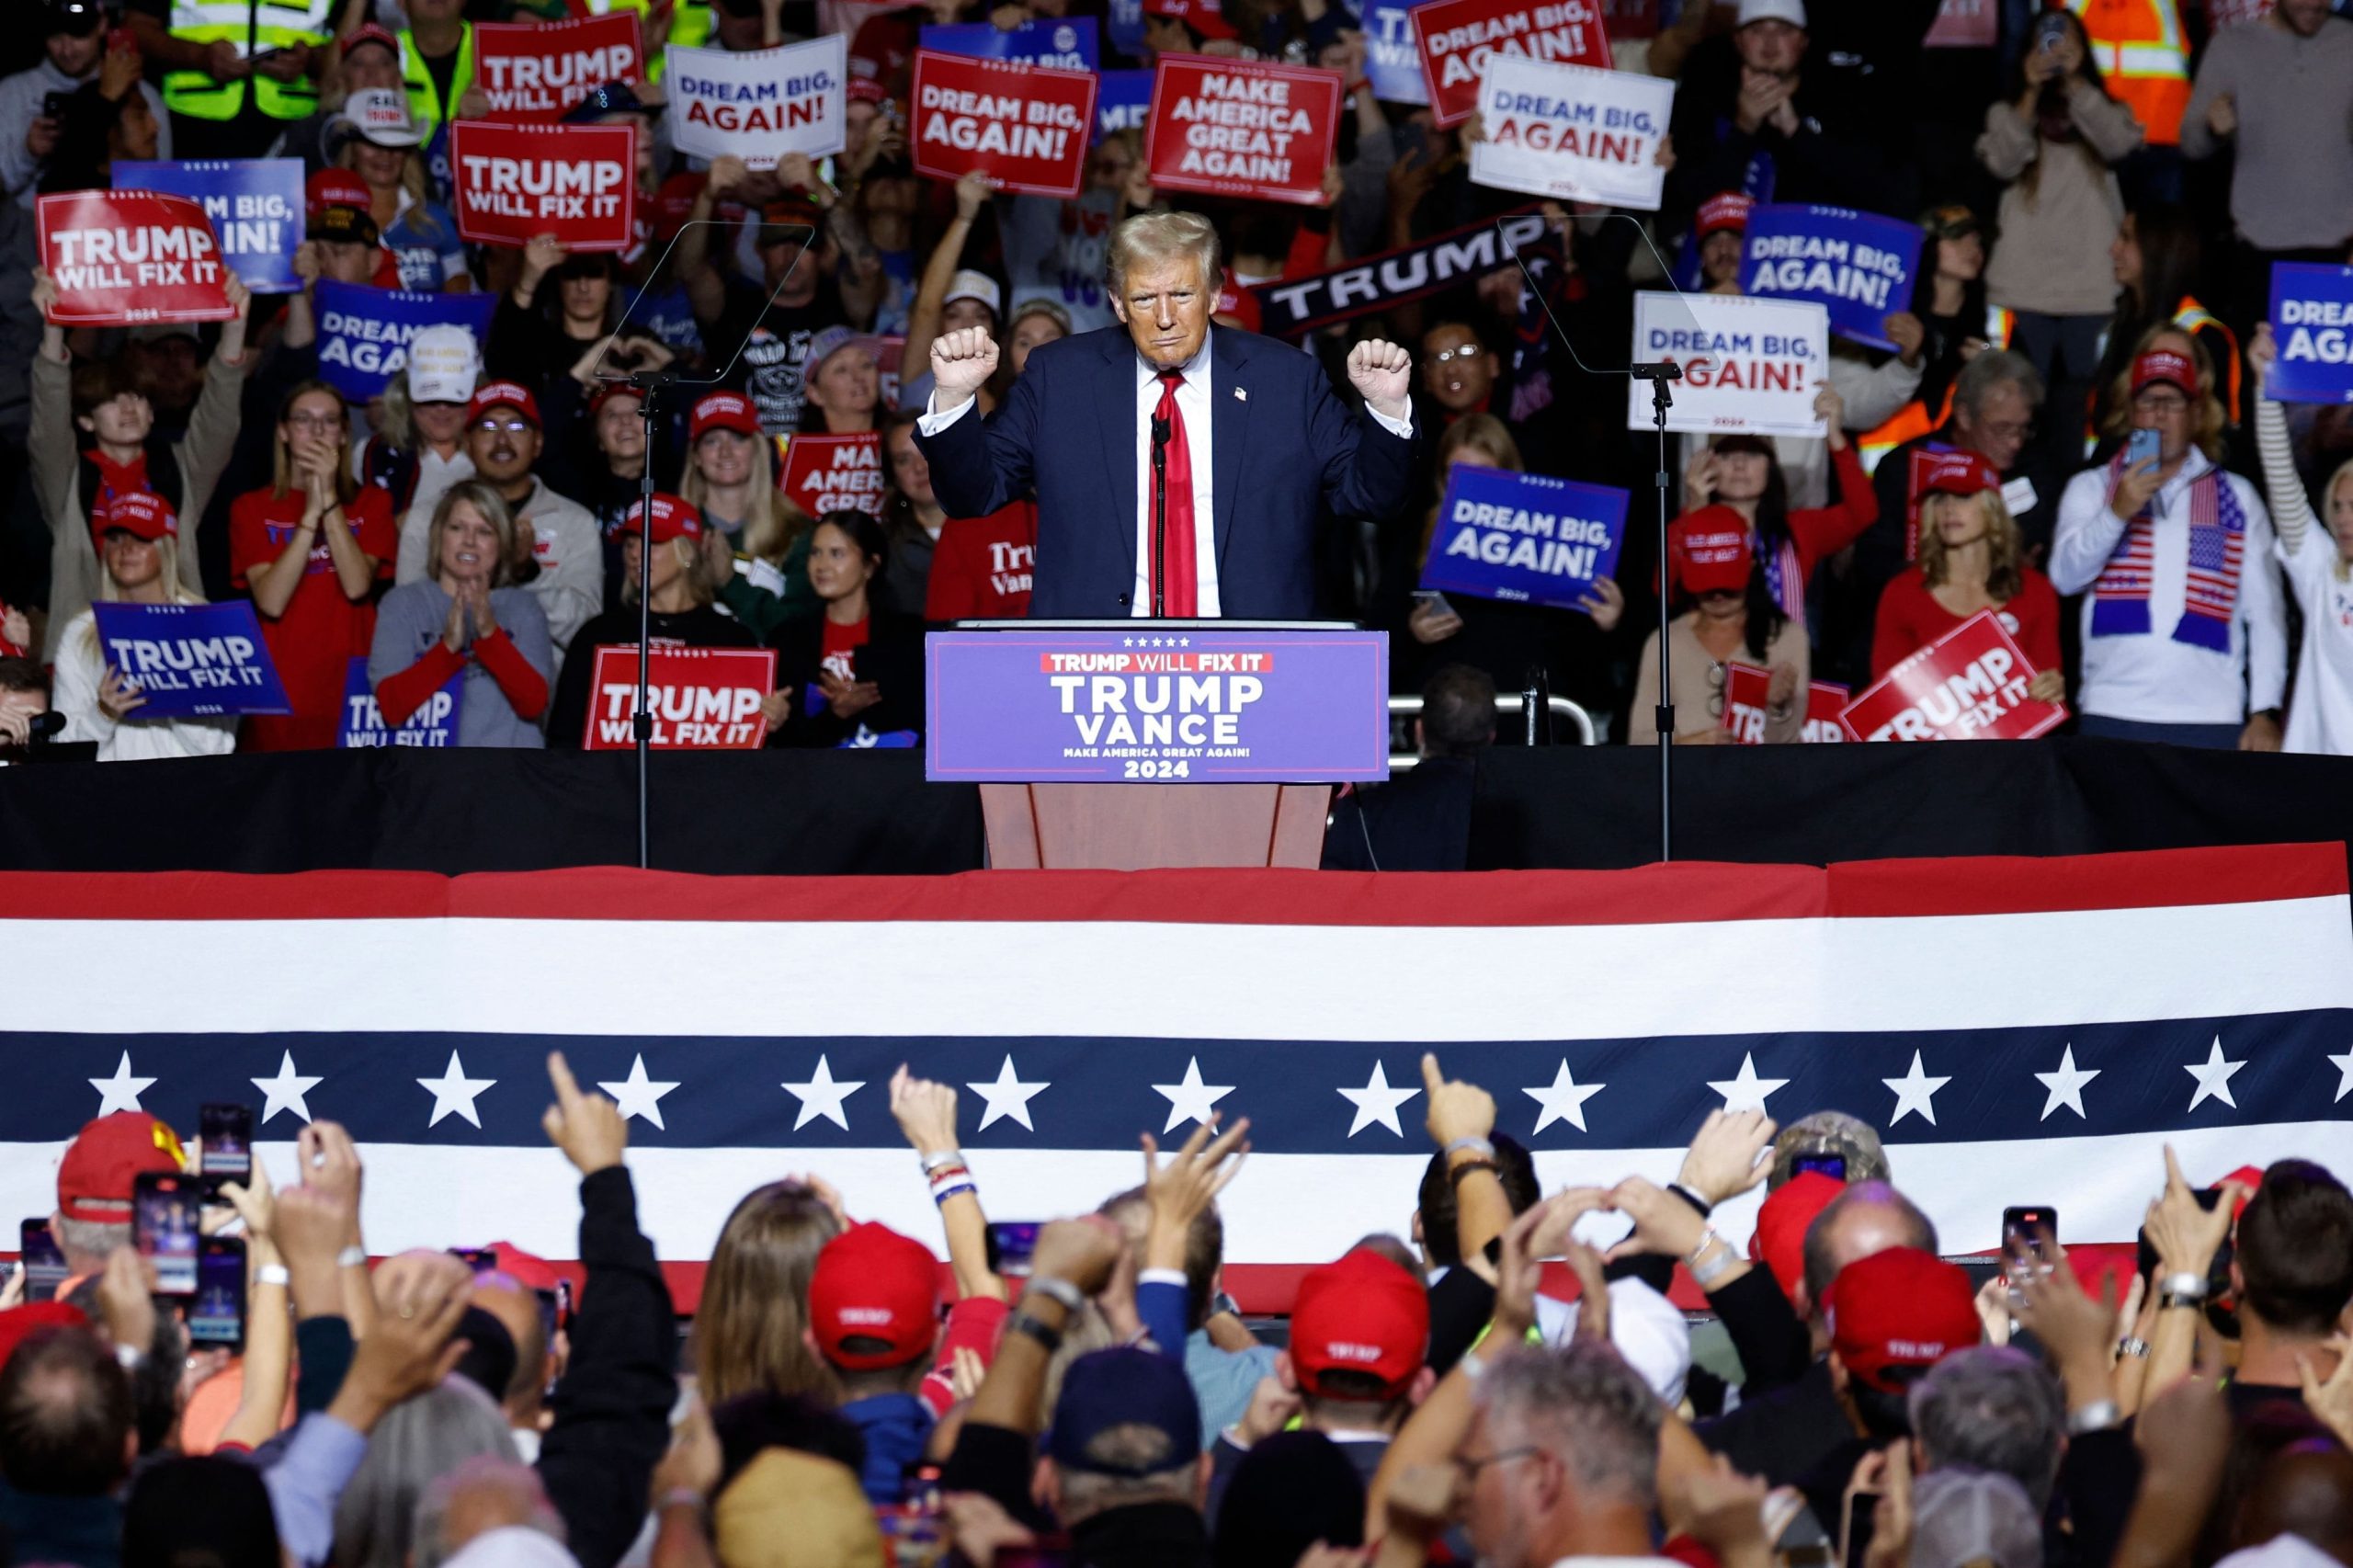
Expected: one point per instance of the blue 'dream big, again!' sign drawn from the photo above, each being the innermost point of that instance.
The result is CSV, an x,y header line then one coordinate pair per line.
x,y
1157,703
255,206
1858,266
364,331
1524,537
1063,43
191,660
2312,326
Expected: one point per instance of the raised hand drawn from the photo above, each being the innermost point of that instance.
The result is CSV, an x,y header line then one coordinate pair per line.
x,y
925,1112
1456,1109
1180,1190
589,1129
961,363
1381,372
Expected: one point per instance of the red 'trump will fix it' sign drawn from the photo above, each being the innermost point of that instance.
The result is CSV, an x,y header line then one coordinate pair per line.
x,y
534,73
514,182
123,257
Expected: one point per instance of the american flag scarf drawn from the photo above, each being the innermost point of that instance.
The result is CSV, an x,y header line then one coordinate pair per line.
x,y
2217,550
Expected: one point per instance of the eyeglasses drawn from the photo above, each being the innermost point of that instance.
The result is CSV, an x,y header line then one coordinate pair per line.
x,y
2009,429
2161,403
1472,1467
493,426
314,421
1448,356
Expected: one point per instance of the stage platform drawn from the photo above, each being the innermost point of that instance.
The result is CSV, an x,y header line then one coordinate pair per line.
x,y
822,813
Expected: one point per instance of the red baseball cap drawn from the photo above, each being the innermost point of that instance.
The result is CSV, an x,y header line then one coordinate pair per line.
x,y
1708,553
1957,474
673,204
866,90
1360,1314
334,187
871,1283
1898,1309
19,1321
1236,302
1203,16
107,1158
672,518
608,391
2165,367
1729,210
504,394
370,33
527,1269
722,411
139,512
1779,1239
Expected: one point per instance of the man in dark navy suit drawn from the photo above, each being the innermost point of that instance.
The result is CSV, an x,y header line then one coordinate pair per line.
x,y
1254,450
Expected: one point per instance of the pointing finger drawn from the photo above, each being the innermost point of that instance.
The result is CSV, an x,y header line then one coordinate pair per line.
x,y
567,1089
1432,1079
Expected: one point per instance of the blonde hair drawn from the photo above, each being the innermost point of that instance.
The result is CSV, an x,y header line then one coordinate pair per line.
x,y
2003,544
413,173
773,525
2344,475
495,511
691,564
1151,237
2209,419
168,572
1481,432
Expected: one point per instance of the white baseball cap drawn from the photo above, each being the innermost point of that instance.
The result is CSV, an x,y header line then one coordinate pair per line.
x,y
1790,11
382,116
443,365
971,285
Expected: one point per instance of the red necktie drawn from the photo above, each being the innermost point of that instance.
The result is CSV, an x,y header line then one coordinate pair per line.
x,y
1177,596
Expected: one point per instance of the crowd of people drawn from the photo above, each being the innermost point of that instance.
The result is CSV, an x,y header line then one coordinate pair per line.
x,y
1503,1380
2102,188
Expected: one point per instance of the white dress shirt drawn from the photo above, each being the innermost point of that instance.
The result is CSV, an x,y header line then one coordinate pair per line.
x,y
2152,678
1196,406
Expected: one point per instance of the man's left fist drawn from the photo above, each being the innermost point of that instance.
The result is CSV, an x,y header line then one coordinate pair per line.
x,y
1381,372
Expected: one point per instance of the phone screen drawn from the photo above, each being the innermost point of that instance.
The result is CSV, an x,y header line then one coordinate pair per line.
x,y
2030,1232
44,1261
164,1212
217,1315
1015,1242
227,1131
1862,1511
1832,1166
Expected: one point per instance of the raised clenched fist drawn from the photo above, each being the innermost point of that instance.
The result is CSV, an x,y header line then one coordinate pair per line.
x,y
962,362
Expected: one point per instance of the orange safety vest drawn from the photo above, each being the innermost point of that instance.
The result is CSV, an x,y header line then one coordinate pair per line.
x,y
2142,55
2194,318
1913,420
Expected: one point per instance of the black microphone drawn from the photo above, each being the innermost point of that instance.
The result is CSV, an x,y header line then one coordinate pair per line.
x,y
1160,433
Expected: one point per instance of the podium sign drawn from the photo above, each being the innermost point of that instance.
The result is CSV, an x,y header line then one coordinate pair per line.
x,y
1157,704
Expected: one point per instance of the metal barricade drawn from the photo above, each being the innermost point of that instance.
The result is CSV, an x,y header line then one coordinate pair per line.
x,y
1410,706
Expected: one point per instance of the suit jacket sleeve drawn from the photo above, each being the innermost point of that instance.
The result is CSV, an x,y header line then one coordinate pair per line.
x,y
1367,470
979,465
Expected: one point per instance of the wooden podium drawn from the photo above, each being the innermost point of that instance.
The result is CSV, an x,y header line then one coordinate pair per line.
x,y
1042,809
1137,827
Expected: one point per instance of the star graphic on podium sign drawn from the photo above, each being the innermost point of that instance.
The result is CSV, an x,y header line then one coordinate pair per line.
x,y
1184,642
1127,642
1377,1102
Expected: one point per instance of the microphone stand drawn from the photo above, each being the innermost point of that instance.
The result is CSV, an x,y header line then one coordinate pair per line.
x,y
647,383
1662,374
1160,433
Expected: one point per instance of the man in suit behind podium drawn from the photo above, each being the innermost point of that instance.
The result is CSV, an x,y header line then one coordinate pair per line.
x,y
1257,449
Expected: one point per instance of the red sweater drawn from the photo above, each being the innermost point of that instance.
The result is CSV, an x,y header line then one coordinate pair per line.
x,y
1910,619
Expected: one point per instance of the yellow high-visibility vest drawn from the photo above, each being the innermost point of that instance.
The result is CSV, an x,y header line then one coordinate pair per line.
x,y
425,105
253,26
